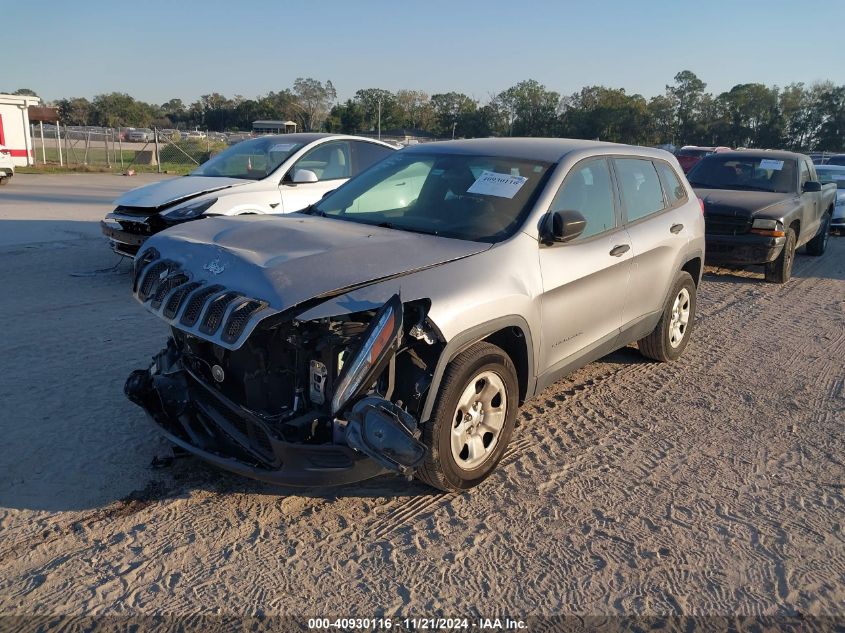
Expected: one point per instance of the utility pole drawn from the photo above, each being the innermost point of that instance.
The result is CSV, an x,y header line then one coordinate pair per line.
x,y
454,125
379,118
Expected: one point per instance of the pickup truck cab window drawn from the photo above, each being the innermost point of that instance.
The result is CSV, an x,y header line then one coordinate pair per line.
x,y
588,189
640,187
806,174
748,173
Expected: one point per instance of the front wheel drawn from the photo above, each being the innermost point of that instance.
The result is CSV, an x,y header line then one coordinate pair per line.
x,y
818,245
670,336
473,419
780,270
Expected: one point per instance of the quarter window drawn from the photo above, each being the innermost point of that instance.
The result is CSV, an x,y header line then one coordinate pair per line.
x,y
675,191
640,186
589,191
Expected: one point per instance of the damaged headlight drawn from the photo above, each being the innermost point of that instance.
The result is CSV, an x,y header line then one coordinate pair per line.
x,y
190,211
380,339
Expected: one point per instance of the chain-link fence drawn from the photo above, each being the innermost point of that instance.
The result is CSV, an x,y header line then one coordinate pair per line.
x,y
140,149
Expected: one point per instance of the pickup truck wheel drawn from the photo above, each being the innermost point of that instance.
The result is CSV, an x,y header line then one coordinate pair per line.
x,y
780,270
671,334
5,180
472,421
818,245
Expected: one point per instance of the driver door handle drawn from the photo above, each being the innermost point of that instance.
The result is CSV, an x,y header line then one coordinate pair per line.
x,y
676,228
620,250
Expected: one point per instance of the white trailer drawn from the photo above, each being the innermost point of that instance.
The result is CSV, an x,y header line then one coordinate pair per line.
x,y
14,127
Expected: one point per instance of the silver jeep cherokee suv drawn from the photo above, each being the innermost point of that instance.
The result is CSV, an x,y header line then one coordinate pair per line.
x,y
398,324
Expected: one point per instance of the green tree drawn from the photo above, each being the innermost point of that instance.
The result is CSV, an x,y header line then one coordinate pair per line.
x,y
454,112
75,111
530,109
314,99
687,93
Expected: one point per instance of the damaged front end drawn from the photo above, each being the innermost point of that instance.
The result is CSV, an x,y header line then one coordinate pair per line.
x,y
295,402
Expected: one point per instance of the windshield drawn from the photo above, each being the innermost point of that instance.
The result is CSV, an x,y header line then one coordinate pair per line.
x,y
751,173
251,160
478,198
832,174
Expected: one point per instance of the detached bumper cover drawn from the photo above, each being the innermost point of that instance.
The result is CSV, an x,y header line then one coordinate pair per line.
x,y
195,417
742,249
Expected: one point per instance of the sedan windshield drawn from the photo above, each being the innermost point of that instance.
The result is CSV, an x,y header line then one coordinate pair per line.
x,y
747,173
832,174
478,198
250,160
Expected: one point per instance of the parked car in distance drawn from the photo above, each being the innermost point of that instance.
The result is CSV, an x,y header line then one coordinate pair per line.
x,y
760,206
7,166
689,155
139,135
271,174
836,175
836,159
398,323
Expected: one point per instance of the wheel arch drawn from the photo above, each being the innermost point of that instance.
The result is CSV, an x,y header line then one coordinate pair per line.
x,y
511,334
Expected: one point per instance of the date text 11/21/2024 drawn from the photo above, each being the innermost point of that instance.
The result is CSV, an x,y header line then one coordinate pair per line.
x,y
417,624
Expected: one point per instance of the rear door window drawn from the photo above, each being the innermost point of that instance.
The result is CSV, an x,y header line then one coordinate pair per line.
x,y
364,155
640,187
675,192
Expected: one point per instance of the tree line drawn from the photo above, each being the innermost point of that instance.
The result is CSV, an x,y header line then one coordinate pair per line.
x,y
797,116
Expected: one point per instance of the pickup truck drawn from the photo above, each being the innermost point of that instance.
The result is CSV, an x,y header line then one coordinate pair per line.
x,y
760,206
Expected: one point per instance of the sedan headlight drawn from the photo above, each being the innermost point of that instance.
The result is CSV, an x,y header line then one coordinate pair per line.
x,y
380,339
189,211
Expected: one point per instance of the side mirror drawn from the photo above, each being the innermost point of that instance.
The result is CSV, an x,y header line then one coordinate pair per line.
x,y
566,225
811,186
304,175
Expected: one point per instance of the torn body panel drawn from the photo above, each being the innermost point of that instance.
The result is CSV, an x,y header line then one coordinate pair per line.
x,y
300,402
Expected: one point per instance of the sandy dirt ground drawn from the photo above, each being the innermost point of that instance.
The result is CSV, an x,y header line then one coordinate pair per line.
x,y
712,485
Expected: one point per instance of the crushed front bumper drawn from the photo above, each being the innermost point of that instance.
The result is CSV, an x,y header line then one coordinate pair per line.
x,y
127,233
748,249
199,419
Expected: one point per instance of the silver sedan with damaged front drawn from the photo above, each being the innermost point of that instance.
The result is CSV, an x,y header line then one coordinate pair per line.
x,y
398,324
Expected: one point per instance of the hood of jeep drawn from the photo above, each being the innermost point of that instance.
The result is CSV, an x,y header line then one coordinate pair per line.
x,y
278,262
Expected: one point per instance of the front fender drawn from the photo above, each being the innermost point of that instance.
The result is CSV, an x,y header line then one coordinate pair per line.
x,y
468,338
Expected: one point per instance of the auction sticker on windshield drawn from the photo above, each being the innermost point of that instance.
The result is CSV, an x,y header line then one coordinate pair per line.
x,y
768,163
490,183
282,147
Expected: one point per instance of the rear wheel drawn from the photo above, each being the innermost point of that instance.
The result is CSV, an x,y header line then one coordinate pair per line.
x,y
472,421
671,334
780,270
5,180
818,245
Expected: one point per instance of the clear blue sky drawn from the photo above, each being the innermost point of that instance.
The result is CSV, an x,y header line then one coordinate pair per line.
x,y
156,50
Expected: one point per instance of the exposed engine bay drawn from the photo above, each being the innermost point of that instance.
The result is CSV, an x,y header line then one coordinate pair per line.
x,y
343,387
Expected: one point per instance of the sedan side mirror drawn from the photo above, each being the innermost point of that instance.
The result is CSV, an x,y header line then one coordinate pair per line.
x,y
304,175
566,225
811,186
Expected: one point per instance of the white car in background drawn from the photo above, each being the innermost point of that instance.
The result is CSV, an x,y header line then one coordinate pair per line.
x,y
7,166
270,174
835,174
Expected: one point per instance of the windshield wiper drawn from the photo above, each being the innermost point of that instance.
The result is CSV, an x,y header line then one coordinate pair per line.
x,y
312,210
700,184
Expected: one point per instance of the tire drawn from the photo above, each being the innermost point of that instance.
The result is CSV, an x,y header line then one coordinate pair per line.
x,y
5,180
780,270
818,245
472,377
669,338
